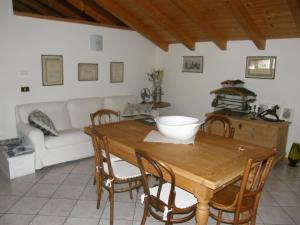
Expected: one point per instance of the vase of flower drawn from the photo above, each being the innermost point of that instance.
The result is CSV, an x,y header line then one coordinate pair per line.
x,y
156,78
294,154
156,91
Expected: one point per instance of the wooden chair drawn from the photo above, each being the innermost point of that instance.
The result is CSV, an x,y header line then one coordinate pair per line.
x,y
164,200
242,201
112,172
104,116
226,129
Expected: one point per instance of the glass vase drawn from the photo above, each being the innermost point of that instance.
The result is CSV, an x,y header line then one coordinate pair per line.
x,y
157,91
294,154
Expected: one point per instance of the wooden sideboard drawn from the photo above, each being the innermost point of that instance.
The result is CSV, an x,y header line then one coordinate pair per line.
x,y
260,132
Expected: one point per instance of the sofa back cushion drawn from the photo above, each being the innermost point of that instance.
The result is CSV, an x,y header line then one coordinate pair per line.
x,y
118,103
57,111
81,108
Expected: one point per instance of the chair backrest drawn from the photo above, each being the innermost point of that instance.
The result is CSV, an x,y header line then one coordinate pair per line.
x,y
254,178
163,173
104,116
102,156
217,124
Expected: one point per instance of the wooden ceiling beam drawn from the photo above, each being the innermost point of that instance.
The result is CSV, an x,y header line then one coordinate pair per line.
x,y
59,7
191,12
163,21
294,6
39,7
18,6
125,16
55,18
243,17
90,9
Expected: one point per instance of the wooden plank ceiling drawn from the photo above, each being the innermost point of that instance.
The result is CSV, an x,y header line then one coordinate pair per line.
x,y
178,21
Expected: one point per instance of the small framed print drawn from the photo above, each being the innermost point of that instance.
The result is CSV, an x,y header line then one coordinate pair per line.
x,y
287,114
52,70
87,71
116,72
262,67
192,64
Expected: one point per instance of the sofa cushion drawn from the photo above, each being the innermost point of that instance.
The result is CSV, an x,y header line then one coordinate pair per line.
x,y
137,109
57,111
66,137
130,110
41,121
81,108
118,103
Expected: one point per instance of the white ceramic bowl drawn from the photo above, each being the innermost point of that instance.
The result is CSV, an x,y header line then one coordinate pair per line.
x,y
178,127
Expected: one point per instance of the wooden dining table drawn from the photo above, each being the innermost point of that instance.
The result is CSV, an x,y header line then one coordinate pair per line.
x,y
202,168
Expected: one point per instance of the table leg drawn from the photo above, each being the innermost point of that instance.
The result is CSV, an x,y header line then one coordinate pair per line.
x,y
202,212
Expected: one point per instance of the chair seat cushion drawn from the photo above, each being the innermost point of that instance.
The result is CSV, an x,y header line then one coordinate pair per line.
x,y
112,157
183,198
123,169
226,197
66,138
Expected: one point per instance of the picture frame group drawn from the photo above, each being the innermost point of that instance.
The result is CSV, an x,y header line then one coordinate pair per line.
x,y
262,67
52,71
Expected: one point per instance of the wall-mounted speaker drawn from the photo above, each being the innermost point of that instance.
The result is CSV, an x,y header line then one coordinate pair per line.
x,y
96,42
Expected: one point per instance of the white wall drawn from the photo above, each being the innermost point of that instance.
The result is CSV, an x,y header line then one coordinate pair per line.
x,y
23,40
189,93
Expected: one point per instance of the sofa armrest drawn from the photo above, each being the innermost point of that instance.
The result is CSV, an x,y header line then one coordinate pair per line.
x,y
32,136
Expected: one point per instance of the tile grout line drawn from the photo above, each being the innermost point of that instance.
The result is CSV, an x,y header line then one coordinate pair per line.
x,y
50,197
24,195
77,200
278,204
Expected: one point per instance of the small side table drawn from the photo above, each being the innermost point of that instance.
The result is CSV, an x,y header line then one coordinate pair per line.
x,y
16,159
161,105
17,166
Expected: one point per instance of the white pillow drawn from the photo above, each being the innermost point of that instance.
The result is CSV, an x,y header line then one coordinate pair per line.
x,y
41,121
130,110
137,109
145,108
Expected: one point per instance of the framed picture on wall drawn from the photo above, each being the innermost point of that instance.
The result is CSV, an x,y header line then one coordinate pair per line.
x,y
116,72
192,64
260,67
287,114
87,71
52,70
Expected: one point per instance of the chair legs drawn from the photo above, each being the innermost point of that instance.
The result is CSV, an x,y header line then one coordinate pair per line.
x,y
146,213
170,218
219,217
111,206
98,198
98,189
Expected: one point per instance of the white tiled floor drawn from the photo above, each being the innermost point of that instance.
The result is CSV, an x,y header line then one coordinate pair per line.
x,y
64,194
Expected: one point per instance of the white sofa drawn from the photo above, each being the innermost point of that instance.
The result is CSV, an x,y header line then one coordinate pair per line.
x,y
69,117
